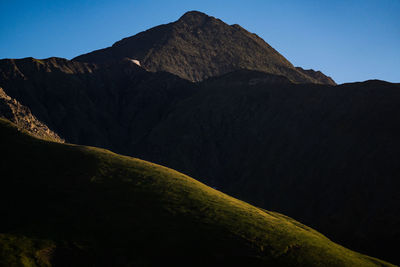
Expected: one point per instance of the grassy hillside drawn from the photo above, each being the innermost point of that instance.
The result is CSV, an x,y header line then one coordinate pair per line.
x,y
68,205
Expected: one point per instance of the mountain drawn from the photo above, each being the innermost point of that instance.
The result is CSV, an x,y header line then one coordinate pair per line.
x,y
12,110
198,46
78,206
324,155
270,134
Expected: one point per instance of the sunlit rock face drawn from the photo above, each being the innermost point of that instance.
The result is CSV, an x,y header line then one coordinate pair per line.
x,y
21,115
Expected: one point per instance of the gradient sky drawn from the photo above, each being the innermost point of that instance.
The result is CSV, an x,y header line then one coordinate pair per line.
x,y
347,40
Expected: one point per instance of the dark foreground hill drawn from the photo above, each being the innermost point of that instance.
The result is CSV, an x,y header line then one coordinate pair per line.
x,y
198,46
68,205
325,155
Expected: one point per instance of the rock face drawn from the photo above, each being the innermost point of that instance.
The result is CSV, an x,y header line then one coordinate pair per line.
x,y
198,46
12,110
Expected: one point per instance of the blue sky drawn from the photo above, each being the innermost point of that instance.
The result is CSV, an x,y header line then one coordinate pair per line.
x,y
348,40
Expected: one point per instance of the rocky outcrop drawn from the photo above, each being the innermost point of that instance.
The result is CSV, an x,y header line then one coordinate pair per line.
x,y
12,110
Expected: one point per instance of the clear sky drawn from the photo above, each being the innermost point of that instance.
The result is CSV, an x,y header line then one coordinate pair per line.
x,y
350,40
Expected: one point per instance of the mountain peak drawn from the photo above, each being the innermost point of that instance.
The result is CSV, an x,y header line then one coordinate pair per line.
x,y
193,14
198,46
194,18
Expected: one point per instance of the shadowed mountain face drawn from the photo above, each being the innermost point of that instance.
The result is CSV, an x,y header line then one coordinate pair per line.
x,y
325,155
111,106
198,46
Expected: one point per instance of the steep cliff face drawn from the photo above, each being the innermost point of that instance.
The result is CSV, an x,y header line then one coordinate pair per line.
x,y
12,110
197,47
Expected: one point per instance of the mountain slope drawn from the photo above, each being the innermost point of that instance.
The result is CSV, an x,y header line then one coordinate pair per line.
x,y
75,206
198,46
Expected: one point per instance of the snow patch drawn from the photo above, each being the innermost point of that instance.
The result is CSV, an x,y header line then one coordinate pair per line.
x,y
137,62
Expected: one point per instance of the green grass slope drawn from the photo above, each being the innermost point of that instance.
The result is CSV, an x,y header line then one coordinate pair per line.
x,y
68,205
